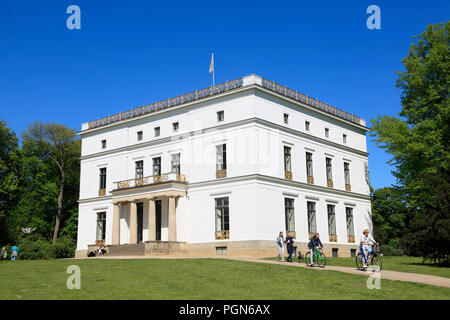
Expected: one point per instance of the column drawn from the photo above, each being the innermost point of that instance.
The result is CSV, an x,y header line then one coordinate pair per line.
x,y
133,222
172,220
151,220
116,225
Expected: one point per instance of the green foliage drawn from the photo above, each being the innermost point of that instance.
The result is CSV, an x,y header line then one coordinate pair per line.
x,y
419,143
33,248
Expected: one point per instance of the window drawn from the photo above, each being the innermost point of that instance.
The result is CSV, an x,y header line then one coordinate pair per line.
x,y
289,214
287,163
329,173
175,126
157,166
220,116
331,222
344,138
327,133
347,176
221,251
103,144
176,163
222,218
286,118
139,135
157,131
102,185
334,252
139,169
101,226
309,167
311,218
221,161
353,253
307,125
350,230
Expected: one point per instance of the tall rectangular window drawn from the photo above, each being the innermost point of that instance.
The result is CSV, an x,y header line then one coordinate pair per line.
x,y
350,229
157,166
139,169
289,214
157,131
222,218
307,125
331,222
220,116
287,163
101,226
347,176
312,229
140,135
176,163
329,173
221,161
309,168
102,184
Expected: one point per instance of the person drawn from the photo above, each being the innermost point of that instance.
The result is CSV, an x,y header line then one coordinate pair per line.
x,y
14,253
3,254
365,246
314,244
289,247
280,245
101,250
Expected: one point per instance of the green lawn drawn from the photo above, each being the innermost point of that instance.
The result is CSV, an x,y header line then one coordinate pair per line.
x,y
194,279
402,264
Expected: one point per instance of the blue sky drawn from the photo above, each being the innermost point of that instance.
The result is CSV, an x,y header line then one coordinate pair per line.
x,y
130,53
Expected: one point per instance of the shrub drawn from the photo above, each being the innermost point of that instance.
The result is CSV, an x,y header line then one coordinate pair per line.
x,y
35,249
388,250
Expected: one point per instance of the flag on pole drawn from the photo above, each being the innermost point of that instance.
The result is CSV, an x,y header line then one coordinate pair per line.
x,y
211,67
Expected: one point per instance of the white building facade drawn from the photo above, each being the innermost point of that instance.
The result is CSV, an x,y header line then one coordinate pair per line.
x,y
221,171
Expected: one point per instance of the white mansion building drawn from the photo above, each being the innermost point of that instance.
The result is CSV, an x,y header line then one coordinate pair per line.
x,y
221,171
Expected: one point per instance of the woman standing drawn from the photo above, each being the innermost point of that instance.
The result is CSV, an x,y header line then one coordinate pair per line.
x,y
280,245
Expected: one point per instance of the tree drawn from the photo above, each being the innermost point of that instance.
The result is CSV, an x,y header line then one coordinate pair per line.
x,y
60,145
419,142
9,172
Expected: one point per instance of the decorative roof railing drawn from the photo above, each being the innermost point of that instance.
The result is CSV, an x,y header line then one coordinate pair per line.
x,y
309,101
145,181
220,88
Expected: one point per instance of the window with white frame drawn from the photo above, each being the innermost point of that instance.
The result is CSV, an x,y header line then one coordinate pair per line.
x,y
139,169
312,228
101,226
157,166
329,169
221,157
176,163
220,116
331,220
349,216
347,173
157,131
222,217
289,214
309,164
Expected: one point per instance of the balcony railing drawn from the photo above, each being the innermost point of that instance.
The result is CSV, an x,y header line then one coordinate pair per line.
x,y
292,234
310,179
333,237
221,173
348,187
101,192
144,181
288,175
351,238
330,183
221,235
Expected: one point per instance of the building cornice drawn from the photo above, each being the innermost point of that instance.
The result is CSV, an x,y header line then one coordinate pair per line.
x,y
193,133
218,91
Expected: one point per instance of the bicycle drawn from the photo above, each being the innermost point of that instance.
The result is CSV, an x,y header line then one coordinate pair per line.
x,y
374,261
319,258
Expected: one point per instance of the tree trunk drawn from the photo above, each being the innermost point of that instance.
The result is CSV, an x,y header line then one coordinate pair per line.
x,y
58,214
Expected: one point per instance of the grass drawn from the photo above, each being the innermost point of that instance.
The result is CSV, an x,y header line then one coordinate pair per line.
x,y
401,264
195,279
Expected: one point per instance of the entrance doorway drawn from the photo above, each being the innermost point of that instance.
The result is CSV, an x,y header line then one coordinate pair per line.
x,y
158,219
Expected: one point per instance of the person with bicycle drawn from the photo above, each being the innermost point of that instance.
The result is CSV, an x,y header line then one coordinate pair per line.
x,y
365,246
314,244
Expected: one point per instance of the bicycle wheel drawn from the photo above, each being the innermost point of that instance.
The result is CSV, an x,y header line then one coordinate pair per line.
x,y
359,262
321,259
307,258
376,263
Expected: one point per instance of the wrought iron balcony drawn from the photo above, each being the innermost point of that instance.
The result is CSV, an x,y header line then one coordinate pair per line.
x,y
145,181
288,175
333,237
351,238
224,234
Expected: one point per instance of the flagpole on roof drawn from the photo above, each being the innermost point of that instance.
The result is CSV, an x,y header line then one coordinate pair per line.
x,y
211,66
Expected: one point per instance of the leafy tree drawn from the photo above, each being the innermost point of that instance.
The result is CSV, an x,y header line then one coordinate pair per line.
x,y
9,172
419,142
57,145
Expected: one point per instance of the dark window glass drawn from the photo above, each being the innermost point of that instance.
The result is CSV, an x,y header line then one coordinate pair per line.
x,y
102,178
139,169
220,116
221,157
157,166
222,214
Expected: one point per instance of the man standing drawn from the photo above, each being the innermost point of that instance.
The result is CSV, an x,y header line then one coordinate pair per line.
x,y
14,253
289,247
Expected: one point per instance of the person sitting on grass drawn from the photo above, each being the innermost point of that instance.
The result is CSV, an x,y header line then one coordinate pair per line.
x,y
365,246
314,244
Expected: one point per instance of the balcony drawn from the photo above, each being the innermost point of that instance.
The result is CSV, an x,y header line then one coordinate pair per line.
x,y
221,235
310,179
221,173
330,183
351,239
145,181
333,237
101,192
348,187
